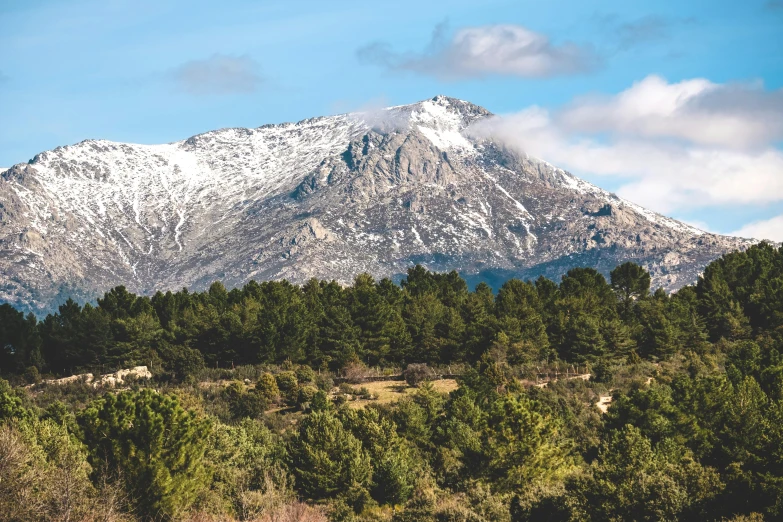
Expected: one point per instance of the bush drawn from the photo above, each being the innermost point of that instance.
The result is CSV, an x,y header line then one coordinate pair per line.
x,y
267,388
10,404
252,405
295,512
346,389
44,473
355,372
181,362
305,374
244,404
320,402
289,386
305,396
416,373
32,375
324,382
394,477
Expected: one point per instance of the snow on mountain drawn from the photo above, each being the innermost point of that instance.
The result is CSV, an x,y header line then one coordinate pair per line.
x,y
325,197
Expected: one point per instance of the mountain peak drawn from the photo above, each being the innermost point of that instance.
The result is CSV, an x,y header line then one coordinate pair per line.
x,y
444,108
372,192
441,119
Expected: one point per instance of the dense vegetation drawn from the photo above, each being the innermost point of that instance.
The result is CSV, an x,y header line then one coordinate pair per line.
x,y
242,419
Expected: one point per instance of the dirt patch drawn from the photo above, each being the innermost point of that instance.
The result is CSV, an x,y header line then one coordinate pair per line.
x,y
583,376
604,401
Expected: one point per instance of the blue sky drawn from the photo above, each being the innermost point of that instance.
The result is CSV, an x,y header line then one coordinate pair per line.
x,y
151,72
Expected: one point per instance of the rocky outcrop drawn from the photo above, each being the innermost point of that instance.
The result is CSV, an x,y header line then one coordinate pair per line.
x,y
118,378
327,198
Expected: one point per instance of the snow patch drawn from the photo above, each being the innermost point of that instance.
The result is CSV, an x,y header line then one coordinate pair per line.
x,y
417,236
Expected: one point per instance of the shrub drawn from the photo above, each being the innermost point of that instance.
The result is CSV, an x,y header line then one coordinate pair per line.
x,y
295,512
32,375
267,388
324,382
252,405
416,373
355,372
305,396
244,404
346,389
288,385
394,477
320,401
181,362
305,374
10,404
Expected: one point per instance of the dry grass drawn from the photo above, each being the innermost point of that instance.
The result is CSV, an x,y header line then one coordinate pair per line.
x,y
290,512
385,392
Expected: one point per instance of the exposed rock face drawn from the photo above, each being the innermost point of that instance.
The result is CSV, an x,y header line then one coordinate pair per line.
x,y
325,197
112,380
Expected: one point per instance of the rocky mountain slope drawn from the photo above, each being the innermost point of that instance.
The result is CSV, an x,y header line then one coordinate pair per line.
x,y
326,197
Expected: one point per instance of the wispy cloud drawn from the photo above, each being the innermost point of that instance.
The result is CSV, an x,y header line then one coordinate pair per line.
x,y
619,35
677,146
474,52
774,5
218,75
644,30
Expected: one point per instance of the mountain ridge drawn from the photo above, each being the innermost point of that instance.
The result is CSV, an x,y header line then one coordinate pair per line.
x,y
326,197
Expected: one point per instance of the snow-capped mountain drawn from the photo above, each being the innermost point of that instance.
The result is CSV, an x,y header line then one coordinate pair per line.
x,y
326,197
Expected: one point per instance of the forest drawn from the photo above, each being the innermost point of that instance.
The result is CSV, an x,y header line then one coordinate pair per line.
x,y
260,405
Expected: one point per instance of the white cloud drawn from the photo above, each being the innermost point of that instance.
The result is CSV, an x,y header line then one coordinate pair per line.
x,y
674,145
510,50
736,116
767,229
219,74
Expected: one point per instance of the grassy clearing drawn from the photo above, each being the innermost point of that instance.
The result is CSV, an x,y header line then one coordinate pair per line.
x,y
385,392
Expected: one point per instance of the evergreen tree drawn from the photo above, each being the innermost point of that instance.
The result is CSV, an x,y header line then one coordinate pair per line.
x,y
522,445
480,323
630,283
20,342
153,444
519,318
75,338
634,481
326,459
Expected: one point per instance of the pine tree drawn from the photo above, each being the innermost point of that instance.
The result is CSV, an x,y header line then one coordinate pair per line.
x,y
155,445
630,283
326,459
